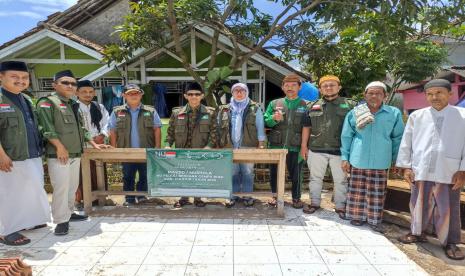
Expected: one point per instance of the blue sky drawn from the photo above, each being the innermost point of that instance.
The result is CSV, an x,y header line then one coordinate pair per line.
x,y
19,16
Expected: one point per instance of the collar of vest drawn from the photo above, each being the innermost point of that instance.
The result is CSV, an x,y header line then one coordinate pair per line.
x,y
64,99
185,109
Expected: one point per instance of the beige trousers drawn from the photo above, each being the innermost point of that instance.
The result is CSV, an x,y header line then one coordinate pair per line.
x,y
65,181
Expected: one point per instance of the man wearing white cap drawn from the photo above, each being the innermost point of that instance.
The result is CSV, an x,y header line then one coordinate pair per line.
x,y
370,141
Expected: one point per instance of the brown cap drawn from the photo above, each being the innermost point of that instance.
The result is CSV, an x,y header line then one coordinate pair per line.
x,y
328,78
292,78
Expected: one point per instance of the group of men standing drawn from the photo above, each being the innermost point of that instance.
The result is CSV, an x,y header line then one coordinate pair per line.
x,y
360,143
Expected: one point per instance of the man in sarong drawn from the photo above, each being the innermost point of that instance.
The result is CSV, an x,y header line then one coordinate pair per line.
x,y
23,201
432,154
370,141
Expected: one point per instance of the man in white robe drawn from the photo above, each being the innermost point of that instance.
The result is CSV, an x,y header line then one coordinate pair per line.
x,y
432,153
23,201
95,119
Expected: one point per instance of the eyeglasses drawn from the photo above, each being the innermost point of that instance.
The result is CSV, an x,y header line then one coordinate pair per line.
x,y
132,93
194,94
328,86
68,83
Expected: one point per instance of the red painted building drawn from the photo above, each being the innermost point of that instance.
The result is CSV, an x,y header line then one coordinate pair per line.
x,y
414,96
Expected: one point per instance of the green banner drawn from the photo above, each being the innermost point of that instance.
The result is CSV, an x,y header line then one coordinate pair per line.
x,y
189,172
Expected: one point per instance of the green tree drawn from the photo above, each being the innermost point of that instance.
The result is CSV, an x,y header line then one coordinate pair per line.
x,y
155,23
362,41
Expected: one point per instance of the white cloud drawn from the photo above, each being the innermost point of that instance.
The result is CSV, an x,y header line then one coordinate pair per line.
x,y
49,3
28,14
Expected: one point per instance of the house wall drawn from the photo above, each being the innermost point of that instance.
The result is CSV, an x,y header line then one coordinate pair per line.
x,y
100,28
415,99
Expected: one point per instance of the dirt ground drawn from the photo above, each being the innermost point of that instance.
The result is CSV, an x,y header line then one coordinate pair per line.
x,y
429,256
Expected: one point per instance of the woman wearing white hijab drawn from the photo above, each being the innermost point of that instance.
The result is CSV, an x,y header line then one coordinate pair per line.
x,y
241,125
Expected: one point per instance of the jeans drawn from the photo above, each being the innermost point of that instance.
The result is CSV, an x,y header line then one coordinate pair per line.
x,y
243,178
129,178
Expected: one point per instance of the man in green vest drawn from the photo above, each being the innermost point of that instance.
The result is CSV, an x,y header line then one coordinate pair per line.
x,y
23,201
284,117
192,126
134,125
323,125
62,127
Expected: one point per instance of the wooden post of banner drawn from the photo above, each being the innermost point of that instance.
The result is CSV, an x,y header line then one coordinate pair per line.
x,y
281,183
86,183
100,181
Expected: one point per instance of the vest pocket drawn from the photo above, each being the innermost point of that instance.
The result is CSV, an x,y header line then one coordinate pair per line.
x,y
13,121
204,128
148,122
275,137
180,129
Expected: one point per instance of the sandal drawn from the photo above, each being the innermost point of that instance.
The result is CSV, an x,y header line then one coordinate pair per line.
x,y
273,202
230,204
181,203
410,238
15,239
249,202
454,252
297,204
199,203
341,214
309,209
357,222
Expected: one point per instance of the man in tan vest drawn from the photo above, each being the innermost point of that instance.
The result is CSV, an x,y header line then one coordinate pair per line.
x,y
192,126
134,125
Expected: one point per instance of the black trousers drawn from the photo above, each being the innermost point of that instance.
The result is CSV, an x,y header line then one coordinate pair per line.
x,y
294,168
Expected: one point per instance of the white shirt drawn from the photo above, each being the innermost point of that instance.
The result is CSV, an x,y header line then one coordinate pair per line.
x,y
433,144
85,111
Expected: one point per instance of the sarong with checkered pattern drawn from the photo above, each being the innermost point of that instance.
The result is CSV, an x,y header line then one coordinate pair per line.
x,y
366,194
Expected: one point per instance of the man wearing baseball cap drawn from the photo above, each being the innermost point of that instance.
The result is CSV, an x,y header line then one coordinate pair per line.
x,y
134,125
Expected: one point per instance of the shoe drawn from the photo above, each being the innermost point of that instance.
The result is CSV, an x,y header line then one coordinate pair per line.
x,y
230,204
341,213
378,228
309,209
62,229
357,222
453,252
411,238
77,217
128,203
297,204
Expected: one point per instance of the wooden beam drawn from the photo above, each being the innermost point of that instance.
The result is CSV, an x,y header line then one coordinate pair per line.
x,y
193,50
75,45
244,72
9,50
143,73
62,51
58,61
208,58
